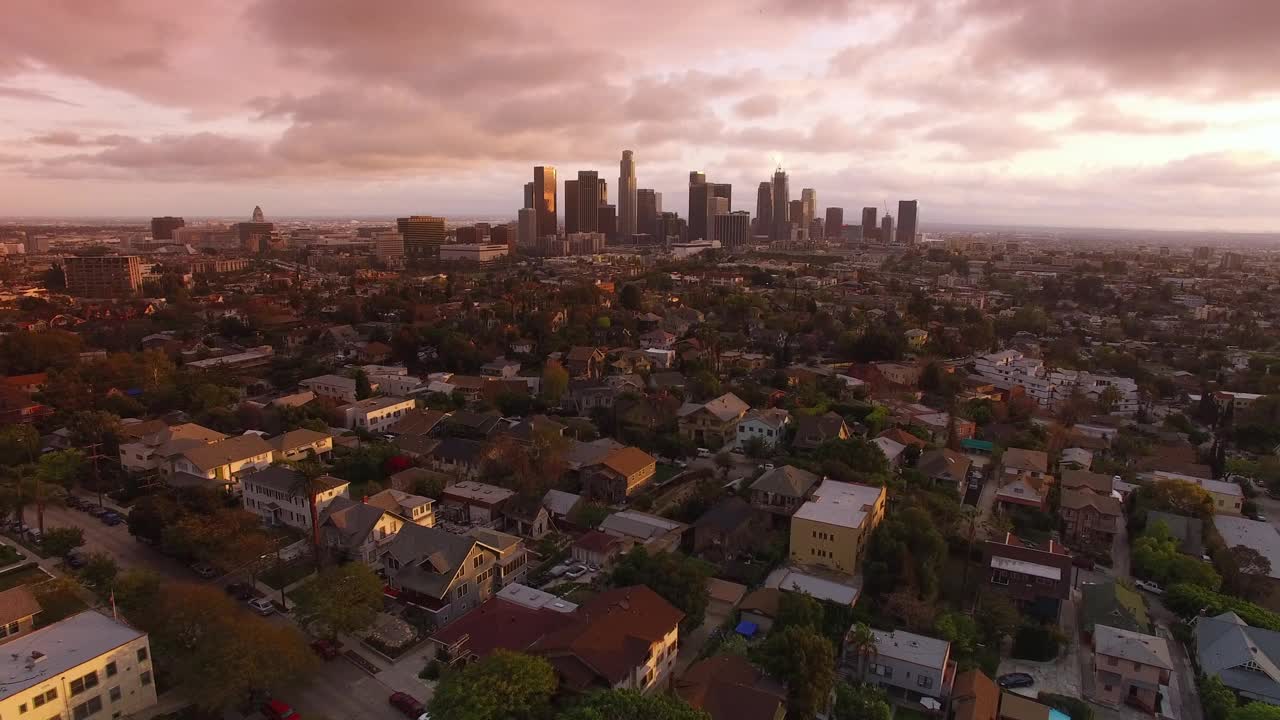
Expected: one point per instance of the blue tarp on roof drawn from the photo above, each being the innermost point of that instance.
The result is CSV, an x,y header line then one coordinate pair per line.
x,y
746,629
982,445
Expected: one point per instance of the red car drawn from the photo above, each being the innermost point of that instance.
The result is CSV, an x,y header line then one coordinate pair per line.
x,y
279,710
327,649
407,704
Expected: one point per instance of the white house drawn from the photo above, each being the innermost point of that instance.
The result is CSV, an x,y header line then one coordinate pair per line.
x,y
768,425
334,387
224,461
375,414
276,494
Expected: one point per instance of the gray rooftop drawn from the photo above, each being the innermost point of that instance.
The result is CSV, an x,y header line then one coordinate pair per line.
x,y
1130,645
1260,536
1226,644
61,647
917,649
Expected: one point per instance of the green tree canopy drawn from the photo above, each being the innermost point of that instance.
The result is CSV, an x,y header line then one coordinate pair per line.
x,y
681,580
805,661
341,599
631,705
861,701
502,686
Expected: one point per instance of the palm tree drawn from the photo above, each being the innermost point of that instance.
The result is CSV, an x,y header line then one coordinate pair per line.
x,y
310,471
861,642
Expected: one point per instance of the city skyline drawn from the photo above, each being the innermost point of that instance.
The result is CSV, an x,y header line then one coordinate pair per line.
x,y
1162,116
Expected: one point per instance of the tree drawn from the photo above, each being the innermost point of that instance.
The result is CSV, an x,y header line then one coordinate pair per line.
x,y
1177,497
363,388
99,571
680,580
137,591
1250,572
861,701
343,599
1108,398
60,541
799,610
861,642
1217,699
18,444
805,661
1156,556
502,686
997,617
1254,711
555,380
632,297
632,705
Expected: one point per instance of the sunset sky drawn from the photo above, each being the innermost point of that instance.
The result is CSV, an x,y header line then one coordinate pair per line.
x,y
1132,113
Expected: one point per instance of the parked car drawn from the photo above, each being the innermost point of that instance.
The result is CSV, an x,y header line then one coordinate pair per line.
x,y
98,511
279,710
74,503
241,591
75,560
1260,516
576,572
111,518
1148,586
406,704
34,535
1009,681
327,649
204,570
262,606
704,453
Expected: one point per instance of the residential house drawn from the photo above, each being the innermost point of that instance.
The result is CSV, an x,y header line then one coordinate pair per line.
x,y
584,362
1245,658
88,665
155,450
946,468
476,502
443,573
500,367
560,504
813,430
782,491
1131,668
1024,479
513,619
1089,518
624,638
712,424
767,427
1260,536
728,687
278,494
1037,580
906,665
334,387
528,518
473,425
301,444
375,414
1112,604
597,548
760,608
1020,707
655,532
508,552
892,450
357,530
1228,497
726,529
421,422
619,475
832,528
458,457
222,462
411,508
974,696
18,610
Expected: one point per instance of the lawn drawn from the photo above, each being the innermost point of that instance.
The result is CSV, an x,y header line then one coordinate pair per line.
x,y
287,573
58,600
663,473
9,555
26,576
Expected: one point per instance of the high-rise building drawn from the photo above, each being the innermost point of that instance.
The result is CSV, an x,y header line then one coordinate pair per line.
x,y
698,194
504,234
257,216
388,246
835,223
795,212
764,209
886,228
468,235
816,231
527,220
162,227
628,213
1204,252
868,223
35,244
103,276
733,229
528,195
809,199
781,206
544,198
648,210
715,206
589,201
607,221
423,235
1233,261
908,221
672,227
570,206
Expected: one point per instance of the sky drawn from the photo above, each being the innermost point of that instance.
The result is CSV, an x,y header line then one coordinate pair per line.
x,y
1159,114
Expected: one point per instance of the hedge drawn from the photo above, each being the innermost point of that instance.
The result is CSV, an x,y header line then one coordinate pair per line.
x,y
1189,600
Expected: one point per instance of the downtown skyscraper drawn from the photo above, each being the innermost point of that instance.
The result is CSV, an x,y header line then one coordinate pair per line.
x,y
809,202
648,211
781,206
835,223
908,221
544,199
764,209
628,218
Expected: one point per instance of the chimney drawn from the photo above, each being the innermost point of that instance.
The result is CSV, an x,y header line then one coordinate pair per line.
x,y
365,499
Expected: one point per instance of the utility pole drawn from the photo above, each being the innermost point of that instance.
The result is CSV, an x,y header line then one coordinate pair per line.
x,y
97,476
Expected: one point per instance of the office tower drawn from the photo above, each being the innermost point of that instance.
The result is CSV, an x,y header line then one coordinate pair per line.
x,y
648,209
732,229
570,206
423,235
698,194
528,195
607,221
504,234
834,223
468,235
103,276
627,211
815,229
672,228
162,227
544,198
886,229
908,221
715,206
764,209
388,246
257,216
35,244
1231,261
528,228
781,206
1204,252
589,201
868,223
809,200
795,213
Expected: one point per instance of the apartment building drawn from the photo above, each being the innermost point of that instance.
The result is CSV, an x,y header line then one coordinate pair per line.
x,y
831,529
1049,387
278,494
103,276
376,414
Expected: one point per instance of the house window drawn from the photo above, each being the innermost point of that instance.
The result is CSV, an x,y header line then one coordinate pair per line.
x,y
22,709
999,577
81,684
1137,665
111,669
10,629
145,677
142,654
114,694
1113,661
87,708
924,681
463,589
478,561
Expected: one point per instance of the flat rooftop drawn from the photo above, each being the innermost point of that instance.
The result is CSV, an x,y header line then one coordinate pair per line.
x,y
49,652
840,503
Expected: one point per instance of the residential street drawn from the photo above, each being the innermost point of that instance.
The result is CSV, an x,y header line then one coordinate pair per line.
x,y
115,541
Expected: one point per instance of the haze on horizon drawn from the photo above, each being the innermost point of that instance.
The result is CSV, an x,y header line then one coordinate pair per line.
x,y
1161,114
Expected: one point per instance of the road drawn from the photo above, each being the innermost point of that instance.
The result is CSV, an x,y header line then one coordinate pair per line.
x,y
338,691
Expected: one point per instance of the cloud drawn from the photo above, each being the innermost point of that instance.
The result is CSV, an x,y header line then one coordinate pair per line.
x,y
757,106
1230,170
1109,119
64,138
987,140
197,157
19,93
